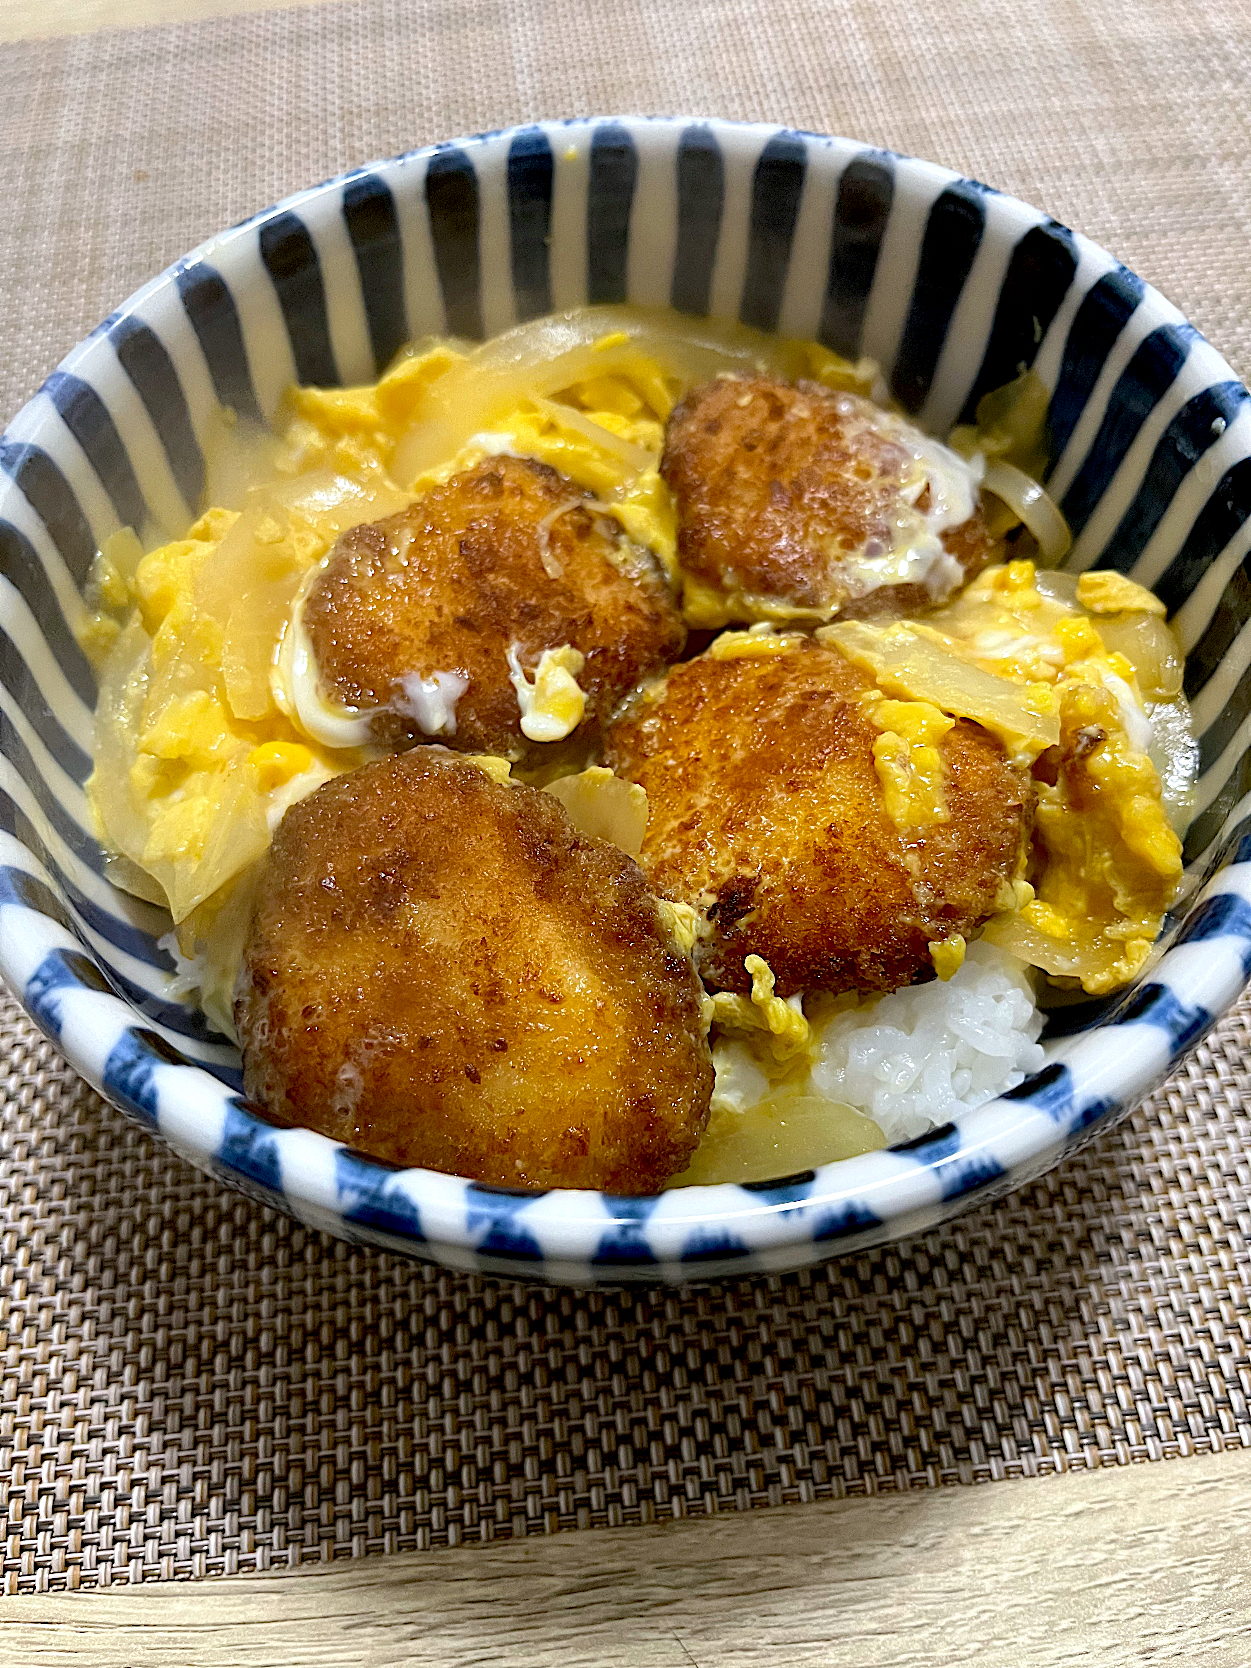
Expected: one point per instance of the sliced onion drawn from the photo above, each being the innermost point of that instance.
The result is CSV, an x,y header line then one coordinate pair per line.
x,y
1098,964
635,458
604,806
1023,495
125,874
917,667
552,565
1151,649
1059,586
1175,754
552,348
124,689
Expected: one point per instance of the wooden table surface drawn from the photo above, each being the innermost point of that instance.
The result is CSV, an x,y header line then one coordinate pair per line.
x,y
1119,1565
1151,1563
24,20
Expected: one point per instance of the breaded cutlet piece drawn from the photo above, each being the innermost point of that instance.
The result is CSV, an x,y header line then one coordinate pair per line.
x,y
766,813
441,971
506,553
783,489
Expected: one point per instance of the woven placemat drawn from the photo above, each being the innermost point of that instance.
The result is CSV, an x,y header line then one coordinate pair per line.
x,y
190,1385
193,1386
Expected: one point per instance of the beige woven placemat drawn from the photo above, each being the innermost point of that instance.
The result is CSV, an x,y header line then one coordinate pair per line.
x,y
191,1386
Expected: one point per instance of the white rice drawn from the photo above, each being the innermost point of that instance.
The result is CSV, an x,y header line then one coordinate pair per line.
x,y
920,1056
911,1060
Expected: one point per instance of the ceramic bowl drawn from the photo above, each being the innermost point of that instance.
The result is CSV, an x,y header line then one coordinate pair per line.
x,y
949,285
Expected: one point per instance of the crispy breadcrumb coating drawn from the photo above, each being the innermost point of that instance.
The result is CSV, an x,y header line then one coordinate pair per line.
x,y
779,489
767,813
441,971
507,554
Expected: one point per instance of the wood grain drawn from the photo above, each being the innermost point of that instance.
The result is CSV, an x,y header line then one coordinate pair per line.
x,y
1145,1564
22,20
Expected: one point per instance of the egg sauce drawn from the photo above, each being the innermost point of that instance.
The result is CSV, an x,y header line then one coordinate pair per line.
x,y
212,721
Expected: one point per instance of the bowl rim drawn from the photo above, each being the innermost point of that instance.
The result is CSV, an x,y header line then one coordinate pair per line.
x,y
577,1236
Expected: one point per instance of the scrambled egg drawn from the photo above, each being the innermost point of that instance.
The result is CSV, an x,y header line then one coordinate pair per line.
x,y
194,765
758,642
1035,658
948,954
908,763
786,1032
605,436
552,703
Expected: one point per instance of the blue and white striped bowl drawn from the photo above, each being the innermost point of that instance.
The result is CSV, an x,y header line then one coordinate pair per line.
x,y
949,285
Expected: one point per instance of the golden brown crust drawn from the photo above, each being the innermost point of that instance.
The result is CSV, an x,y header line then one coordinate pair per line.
x,y
765,811
441,971
776,484
475,565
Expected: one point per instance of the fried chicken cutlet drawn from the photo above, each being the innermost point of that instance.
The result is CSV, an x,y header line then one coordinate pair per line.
x,y
507,555
441,971
797,502
767,814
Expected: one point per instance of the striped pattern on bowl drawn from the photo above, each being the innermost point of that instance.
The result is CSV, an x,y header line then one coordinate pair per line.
x,y
951,286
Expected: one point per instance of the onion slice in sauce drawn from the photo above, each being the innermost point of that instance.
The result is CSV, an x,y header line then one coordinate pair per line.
x,y
1023,495
625,451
